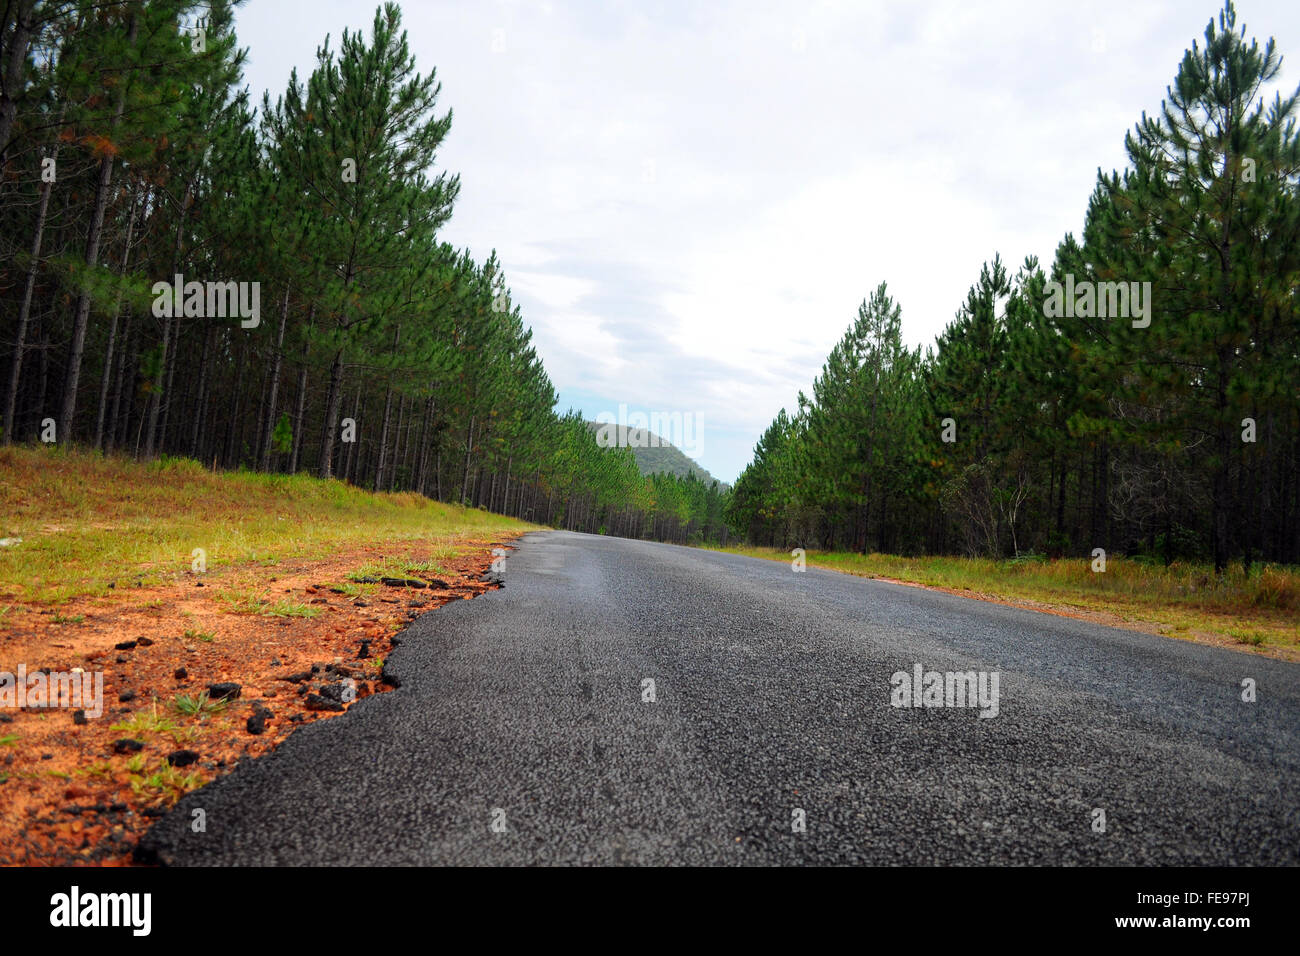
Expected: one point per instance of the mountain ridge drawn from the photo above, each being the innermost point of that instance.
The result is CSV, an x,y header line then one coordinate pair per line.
x,y
655,454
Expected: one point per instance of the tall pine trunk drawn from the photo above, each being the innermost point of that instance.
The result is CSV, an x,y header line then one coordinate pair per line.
x,y
265,459
81,315
332,403
112,333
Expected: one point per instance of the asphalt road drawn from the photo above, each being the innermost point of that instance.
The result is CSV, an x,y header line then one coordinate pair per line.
x,y
522,733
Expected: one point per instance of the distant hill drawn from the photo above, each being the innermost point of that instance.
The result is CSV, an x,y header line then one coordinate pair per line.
x,y
652,460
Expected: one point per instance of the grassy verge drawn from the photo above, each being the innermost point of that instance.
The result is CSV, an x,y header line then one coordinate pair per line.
x,y
1261,611
89,523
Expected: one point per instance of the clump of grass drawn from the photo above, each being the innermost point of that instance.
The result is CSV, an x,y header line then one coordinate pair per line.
x,y
1252,637
206,637
68,619
165,785
147,722
241,602
424,567
401,567
8,740
198,706
289,608
369,573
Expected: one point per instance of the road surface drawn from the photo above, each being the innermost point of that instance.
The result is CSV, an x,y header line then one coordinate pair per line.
x,y
525,732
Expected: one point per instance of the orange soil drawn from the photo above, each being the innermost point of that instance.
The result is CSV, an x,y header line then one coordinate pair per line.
x,y
67,798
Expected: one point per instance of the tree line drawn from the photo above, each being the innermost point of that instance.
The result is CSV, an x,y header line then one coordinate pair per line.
x,y
1141,396
184,272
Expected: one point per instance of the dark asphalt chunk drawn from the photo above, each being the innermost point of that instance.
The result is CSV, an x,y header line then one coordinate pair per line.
x,y
522,731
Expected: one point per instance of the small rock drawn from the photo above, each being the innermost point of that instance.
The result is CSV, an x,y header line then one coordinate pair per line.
x,y
223,691
297,677
78,717
198,584
360,604
181,673
144,642
123,659
333,692
256,723
317,702
126,696
275,662
125,646
439,583
127,746
182,758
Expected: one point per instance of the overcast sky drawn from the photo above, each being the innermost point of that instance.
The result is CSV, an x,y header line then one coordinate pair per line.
x,y
691,199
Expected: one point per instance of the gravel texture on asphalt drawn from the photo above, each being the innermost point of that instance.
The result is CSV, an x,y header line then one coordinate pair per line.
x,y
523,732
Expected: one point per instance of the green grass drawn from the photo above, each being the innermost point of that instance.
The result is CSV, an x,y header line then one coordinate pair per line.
x,y
99,769
142,723
165,785
88,521
252,602
241,601
403,568
8,740
207,637
71,619
198,706
1259,610
289,608
1255,638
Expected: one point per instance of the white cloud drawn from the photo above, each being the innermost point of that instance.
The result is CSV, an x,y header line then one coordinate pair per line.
x,y
800,154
